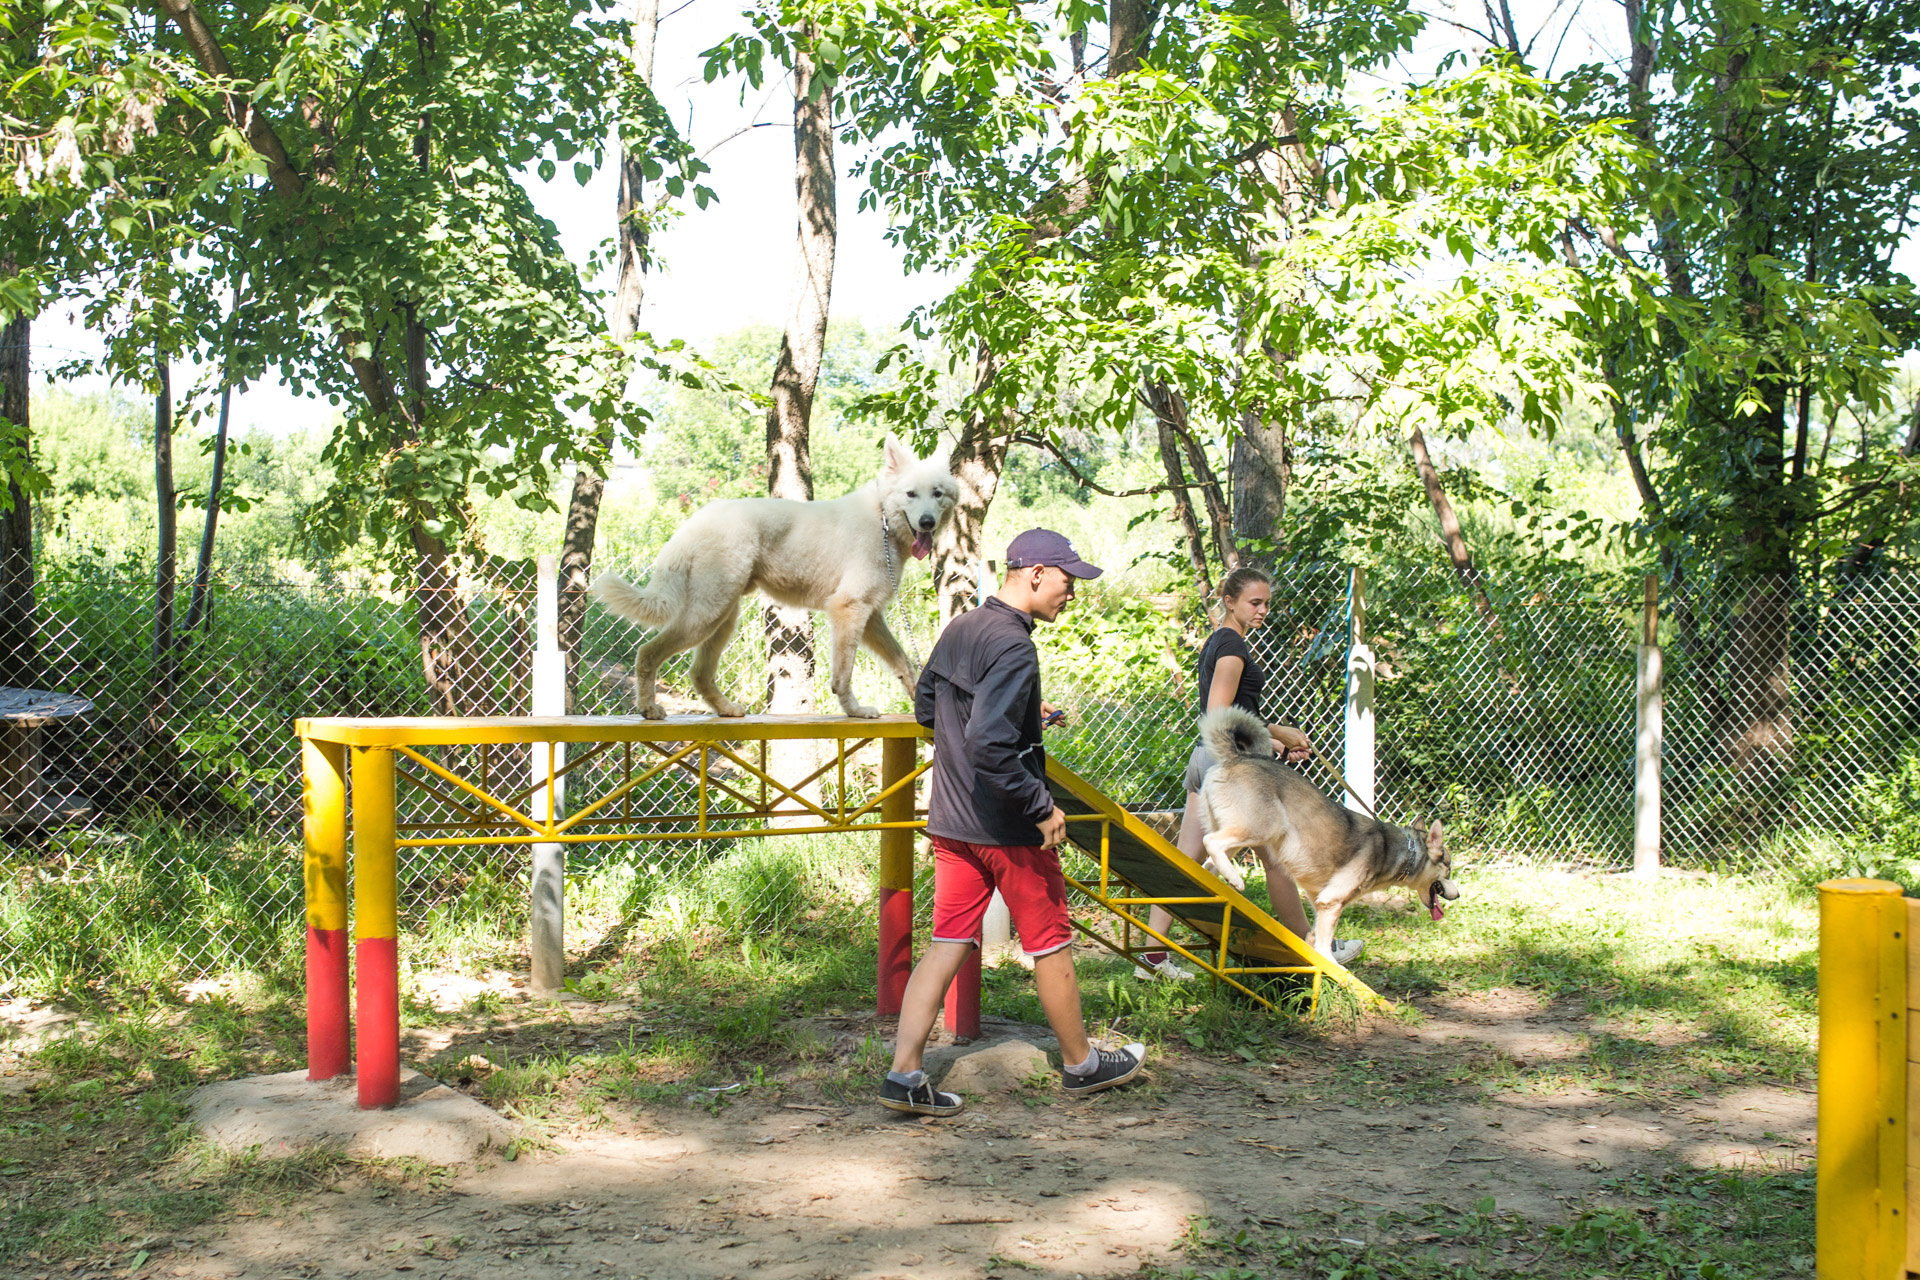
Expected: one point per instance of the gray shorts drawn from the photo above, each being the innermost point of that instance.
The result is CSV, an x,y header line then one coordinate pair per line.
x,y
1197,765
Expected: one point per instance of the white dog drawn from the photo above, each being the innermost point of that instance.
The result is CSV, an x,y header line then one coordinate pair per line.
x,y
842,556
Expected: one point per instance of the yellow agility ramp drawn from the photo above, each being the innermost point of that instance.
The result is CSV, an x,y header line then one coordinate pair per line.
x,y
1135,869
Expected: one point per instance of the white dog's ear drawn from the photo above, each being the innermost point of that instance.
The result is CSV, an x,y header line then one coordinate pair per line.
x,y
896,457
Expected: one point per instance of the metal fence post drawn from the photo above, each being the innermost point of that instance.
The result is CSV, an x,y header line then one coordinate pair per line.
x,y
1359,701
547,918
1860,1182
1648,737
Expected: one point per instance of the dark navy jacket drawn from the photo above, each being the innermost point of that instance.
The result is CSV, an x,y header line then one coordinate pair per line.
x,y
980,694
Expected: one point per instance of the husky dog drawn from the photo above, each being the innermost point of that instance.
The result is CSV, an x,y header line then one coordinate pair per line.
x,y
1249,800
842,556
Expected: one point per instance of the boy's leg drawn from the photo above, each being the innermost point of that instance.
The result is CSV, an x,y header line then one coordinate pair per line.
x,y
926,988
962,887
1060,997
1036,894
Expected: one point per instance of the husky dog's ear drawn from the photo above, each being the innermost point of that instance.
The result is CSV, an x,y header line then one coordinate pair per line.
x,y
1433,838
896,457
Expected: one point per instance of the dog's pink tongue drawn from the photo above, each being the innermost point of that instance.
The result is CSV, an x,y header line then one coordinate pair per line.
x,y
1435,907
922,545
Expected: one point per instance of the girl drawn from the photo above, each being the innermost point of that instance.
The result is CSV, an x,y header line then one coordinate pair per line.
x,y
1229,675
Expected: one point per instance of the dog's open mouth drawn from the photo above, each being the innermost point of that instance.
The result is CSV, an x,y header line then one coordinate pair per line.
x,y
922,545
1433,900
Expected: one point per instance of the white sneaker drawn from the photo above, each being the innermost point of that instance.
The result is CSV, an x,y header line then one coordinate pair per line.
x,y
1346,951
1168,970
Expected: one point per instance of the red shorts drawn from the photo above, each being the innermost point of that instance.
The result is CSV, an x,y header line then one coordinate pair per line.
x,y
965,876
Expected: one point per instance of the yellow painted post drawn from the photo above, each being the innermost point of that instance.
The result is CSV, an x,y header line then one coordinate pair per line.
x,y
323,769
1912,1068
896,875
376,922
1860,1182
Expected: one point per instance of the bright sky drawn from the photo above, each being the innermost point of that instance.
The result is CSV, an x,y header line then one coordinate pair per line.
x,y
729,265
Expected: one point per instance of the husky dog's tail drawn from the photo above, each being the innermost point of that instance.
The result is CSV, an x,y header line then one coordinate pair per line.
x,y
1230,732
662,598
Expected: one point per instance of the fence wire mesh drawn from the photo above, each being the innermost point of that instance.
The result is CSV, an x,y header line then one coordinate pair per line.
x,y
168,842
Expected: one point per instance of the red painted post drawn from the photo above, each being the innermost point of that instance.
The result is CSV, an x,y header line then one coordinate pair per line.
x,y
896,875
963,998
376,892
323,768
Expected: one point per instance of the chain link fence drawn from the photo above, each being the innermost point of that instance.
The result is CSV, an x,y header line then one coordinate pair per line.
x,y
1506,711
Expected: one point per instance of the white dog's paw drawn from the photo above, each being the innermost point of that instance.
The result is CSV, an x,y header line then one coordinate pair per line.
x,y
654,711
728,708
860,711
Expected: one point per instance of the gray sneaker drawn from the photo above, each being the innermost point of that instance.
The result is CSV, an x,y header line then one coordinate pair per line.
x,y
1346,951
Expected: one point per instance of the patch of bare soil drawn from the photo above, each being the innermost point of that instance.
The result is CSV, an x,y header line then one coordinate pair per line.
x,y
783,1185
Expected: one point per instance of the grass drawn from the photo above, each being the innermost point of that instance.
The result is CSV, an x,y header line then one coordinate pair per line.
x,y
1679,1225
751,972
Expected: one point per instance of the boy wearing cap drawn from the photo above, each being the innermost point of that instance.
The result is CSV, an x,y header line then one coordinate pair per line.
x,y
993,822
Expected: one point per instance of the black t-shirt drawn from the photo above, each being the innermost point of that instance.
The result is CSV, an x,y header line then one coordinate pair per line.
x,y
1225,642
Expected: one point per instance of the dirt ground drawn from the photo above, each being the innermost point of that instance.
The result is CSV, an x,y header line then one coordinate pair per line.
x,y
780,1183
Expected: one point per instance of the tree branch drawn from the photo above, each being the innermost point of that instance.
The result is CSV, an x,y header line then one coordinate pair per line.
x,y
1085,481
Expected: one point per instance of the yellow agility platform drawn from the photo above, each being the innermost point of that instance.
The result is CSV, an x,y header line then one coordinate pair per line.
x,y
486,781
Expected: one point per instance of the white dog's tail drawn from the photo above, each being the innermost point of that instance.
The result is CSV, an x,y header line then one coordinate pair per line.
x,y
1231,732
652,605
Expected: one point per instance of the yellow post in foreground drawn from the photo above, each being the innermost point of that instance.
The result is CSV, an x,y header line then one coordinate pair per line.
x,y
1860,1183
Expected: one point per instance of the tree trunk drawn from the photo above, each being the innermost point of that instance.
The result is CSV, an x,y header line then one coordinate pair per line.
x,y
447,656
164,566
1183,506
19,650
1172,410
796,373
197,608
1451,536
1261,468
1759,728
623,321
975,461
1759,696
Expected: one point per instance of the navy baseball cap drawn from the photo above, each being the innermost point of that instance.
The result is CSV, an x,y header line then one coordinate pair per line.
x,y
1044,546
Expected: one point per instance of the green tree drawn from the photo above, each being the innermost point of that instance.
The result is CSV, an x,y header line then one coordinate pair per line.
x,y
1778,174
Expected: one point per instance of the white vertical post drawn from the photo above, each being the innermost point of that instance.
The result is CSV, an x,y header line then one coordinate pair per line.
x,y
1648,714
1359,696
547,919
985,583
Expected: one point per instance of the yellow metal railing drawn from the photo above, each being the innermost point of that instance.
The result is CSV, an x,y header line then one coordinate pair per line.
x,y
477,787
